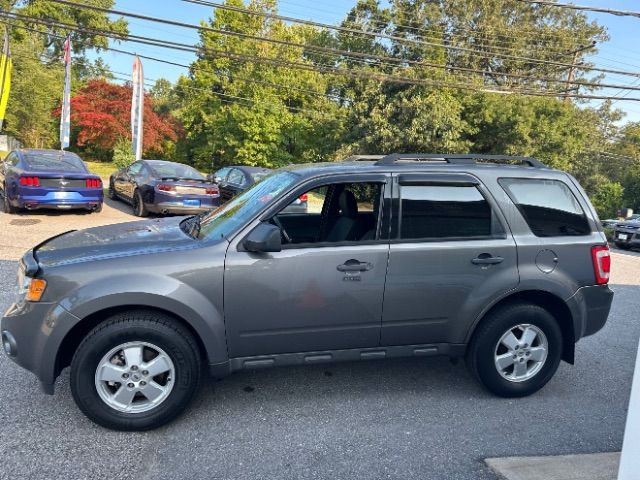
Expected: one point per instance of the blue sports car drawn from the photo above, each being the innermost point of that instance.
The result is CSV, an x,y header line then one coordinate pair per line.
x,y
158,186
52,179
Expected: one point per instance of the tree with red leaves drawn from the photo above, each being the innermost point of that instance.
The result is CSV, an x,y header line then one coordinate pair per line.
x,y
101,115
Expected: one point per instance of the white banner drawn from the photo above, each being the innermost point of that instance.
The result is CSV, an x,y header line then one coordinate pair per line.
x,y
65,112
137,108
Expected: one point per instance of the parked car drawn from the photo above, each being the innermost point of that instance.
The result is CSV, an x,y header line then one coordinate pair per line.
x,y
610,222
158,186
48,179
627,233
236,179
410,256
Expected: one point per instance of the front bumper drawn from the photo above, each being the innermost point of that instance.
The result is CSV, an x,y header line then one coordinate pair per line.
x,y
626,237
32,334
590,307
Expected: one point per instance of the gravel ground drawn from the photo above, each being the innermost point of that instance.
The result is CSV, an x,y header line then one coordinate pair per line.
x,y
400,419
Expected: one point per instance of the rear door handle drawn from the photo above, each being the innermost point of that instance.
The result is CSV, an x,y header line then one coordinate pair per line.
x,y
354,266
487,259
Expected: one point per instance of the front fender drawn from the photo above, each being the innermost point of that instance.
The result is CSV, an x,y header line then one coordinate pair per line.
x,y
202,312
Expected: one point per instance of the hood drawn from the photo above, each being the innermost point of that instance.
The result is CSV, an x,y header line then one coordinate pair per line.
x,y
114,241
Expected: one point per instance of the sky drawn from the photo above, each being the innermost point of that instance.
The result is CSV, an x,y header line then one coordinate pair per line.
x,y
621,52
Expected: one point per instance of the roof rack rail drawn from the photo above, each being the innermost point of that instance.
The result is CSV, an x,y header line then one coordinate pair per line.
x,y
363,158
459,159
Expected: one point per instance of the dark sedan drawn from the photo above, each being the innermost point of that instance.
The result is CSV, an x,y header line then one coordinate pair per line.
x,y
236,179
48,179
158,186
627,233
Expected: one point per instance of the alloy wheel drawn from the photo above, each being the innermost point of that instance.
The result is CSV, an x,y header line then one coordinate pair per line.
x,y
135,377
521,352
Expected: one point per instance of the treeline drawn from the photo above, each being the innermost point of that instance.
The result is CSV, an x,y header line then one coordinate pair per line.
x,y
420,79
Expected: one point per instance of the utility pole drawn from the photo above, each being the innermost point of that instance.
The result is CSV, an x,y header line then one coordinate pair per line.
x,y
574,66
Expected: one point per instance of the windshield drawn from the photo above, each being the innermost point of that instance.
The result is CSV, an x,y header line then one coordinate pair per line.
x,y
236,213
174,170
54,161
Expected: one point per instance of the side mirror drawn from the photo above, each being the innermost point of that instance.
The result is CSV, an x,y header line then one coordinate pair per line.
x,y
264,238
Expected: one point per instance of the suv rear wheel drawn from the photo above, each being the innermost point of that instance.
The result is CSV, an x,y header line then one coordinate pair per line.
x,y
136,371
516,350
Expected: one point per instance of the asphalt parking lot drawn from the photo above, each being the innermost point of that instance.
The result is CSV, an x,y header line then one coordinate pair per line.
x,y
402,419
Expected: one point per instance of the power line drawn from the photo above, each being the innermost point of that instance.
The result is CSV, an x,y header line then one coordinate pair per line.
x,y
314,23
536,34
379,58
160,60
332,51
314,67
573,6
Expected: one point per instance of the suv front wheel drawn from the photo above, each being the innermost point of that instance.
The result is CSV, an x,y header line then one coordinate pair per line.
x,y
136,371
516,350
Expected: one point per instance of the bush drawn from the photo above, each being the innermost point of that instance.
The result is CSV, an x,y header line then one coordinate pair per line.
x,y
122,153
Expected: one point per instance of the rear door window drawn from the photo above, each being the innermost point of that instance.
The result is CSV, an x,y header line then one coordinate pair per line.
x,y
445,212
236,177
548,206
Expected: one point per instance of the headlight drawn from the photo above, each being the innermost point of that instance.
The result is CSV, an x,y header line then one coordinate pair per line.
x,y
31,289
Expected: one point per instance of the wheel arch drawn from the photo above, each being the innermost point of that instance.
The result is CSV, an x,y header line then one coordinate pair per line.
x,y
550,302
81,329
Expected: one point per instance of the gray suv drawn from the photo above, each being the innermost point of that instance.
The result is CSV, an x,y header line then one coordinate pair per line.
x,y
496,259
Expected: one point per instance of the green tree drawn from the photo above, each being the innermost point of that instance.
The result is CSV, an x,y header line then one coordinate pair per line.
x,y
38,76
608,198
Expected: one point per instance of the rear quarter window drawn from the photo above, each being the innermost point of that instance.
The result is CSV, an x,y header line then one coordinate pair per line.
x,y
548,206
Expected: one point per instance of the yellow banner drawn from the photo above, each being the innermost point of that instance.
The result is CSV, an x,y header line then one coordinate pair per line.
x,y
5,78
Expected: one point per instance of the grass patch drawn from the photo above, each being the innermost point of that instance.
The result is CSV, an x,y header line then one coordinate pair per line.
x,y
104,169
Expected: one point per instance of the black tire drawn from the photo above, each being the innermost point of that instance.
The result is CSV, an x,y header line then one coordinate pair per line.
x,y
482,349
6,206
98,209
136,326
139,208
623,246
111,191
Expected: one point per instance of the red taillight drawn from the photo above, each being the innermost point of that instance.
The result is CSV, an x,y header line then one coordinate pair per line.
x,y
304,197
212,190
94,183
163,187
30,181
601,263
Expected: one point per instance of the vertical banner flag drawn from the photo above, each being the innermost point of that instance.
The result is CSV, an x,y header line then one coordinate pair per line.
x,y
5,77
137,108
65,112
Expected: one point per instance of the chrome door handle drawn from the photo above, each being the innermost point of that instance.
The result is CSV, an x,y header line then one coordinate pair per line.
x,y
486,259
354,266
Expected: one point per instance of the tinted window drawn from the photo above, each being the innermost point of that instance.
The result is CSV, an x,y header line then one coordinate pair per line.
x,y
236,177
134,169
54,161
174,170
221,174
430,211
548,206
12,159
